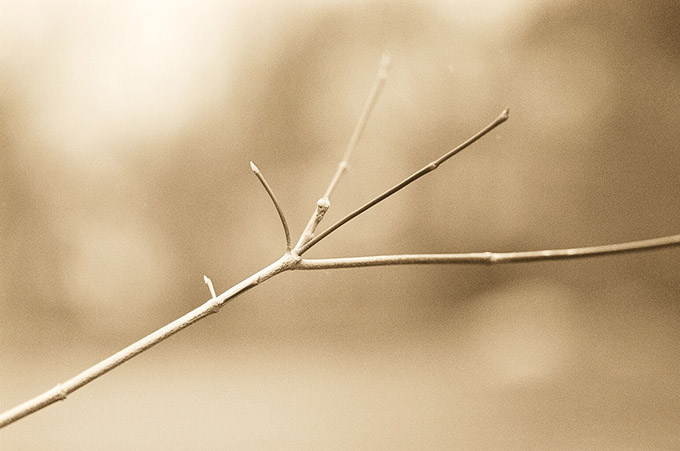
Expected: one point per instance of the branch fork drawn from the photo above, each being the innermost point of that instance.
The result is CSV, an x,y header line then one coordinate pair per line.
x,y
292,258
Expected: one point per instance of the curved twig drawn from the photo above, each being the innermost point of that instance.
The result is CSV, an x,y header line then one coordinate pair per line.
x,y
279,210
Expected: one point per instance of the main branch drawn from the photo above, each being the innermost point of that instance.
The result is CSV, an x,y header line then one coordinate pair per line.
x,y
61,391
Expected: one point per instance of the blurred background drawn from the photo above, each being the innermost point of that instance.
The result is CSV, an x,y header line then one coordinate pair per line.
x,y
126,129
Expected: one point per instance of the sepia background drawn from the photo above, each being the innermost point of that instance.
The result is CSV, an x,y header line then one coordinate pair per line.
x,y
126,129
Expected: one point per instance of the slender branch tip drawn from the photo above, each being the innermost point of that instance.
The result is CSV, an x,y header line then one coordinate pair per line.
x,y
320,210
505,114
279,210
208,282
385,63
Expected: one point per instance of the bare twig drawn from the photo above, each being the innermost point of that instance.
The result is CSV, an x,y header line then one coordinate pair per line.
x,y
490,257
279,210
61,391
404,183
324,203
361,124
292,260
208,282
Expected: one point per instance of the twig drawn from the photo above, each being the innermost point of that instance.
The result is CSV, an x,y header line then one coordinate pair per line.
x,y
491,257
404,183
324,203
279,210
208,282
361,124
292,260
61,391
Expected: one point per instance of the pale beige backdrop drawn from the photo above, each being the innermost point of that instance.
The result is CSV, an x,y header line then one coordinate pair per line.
x,y
126,129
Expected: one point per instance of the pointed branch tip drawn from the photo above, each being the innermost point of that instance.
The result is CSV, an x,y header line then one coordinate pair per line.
x,y
385,62
279,210
505,114
208,282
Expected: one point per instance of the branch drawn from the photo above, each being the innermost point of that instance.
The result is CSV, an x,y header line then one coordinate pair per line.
x,y
404,183
490,257
361,124
279,210
292,260
324,203
61,391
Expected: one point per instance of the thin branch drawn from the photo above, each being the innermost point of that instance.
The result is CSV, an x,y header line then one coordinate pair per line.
x,y
279,210
61,391
491,257
324,203
361,124
404,183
